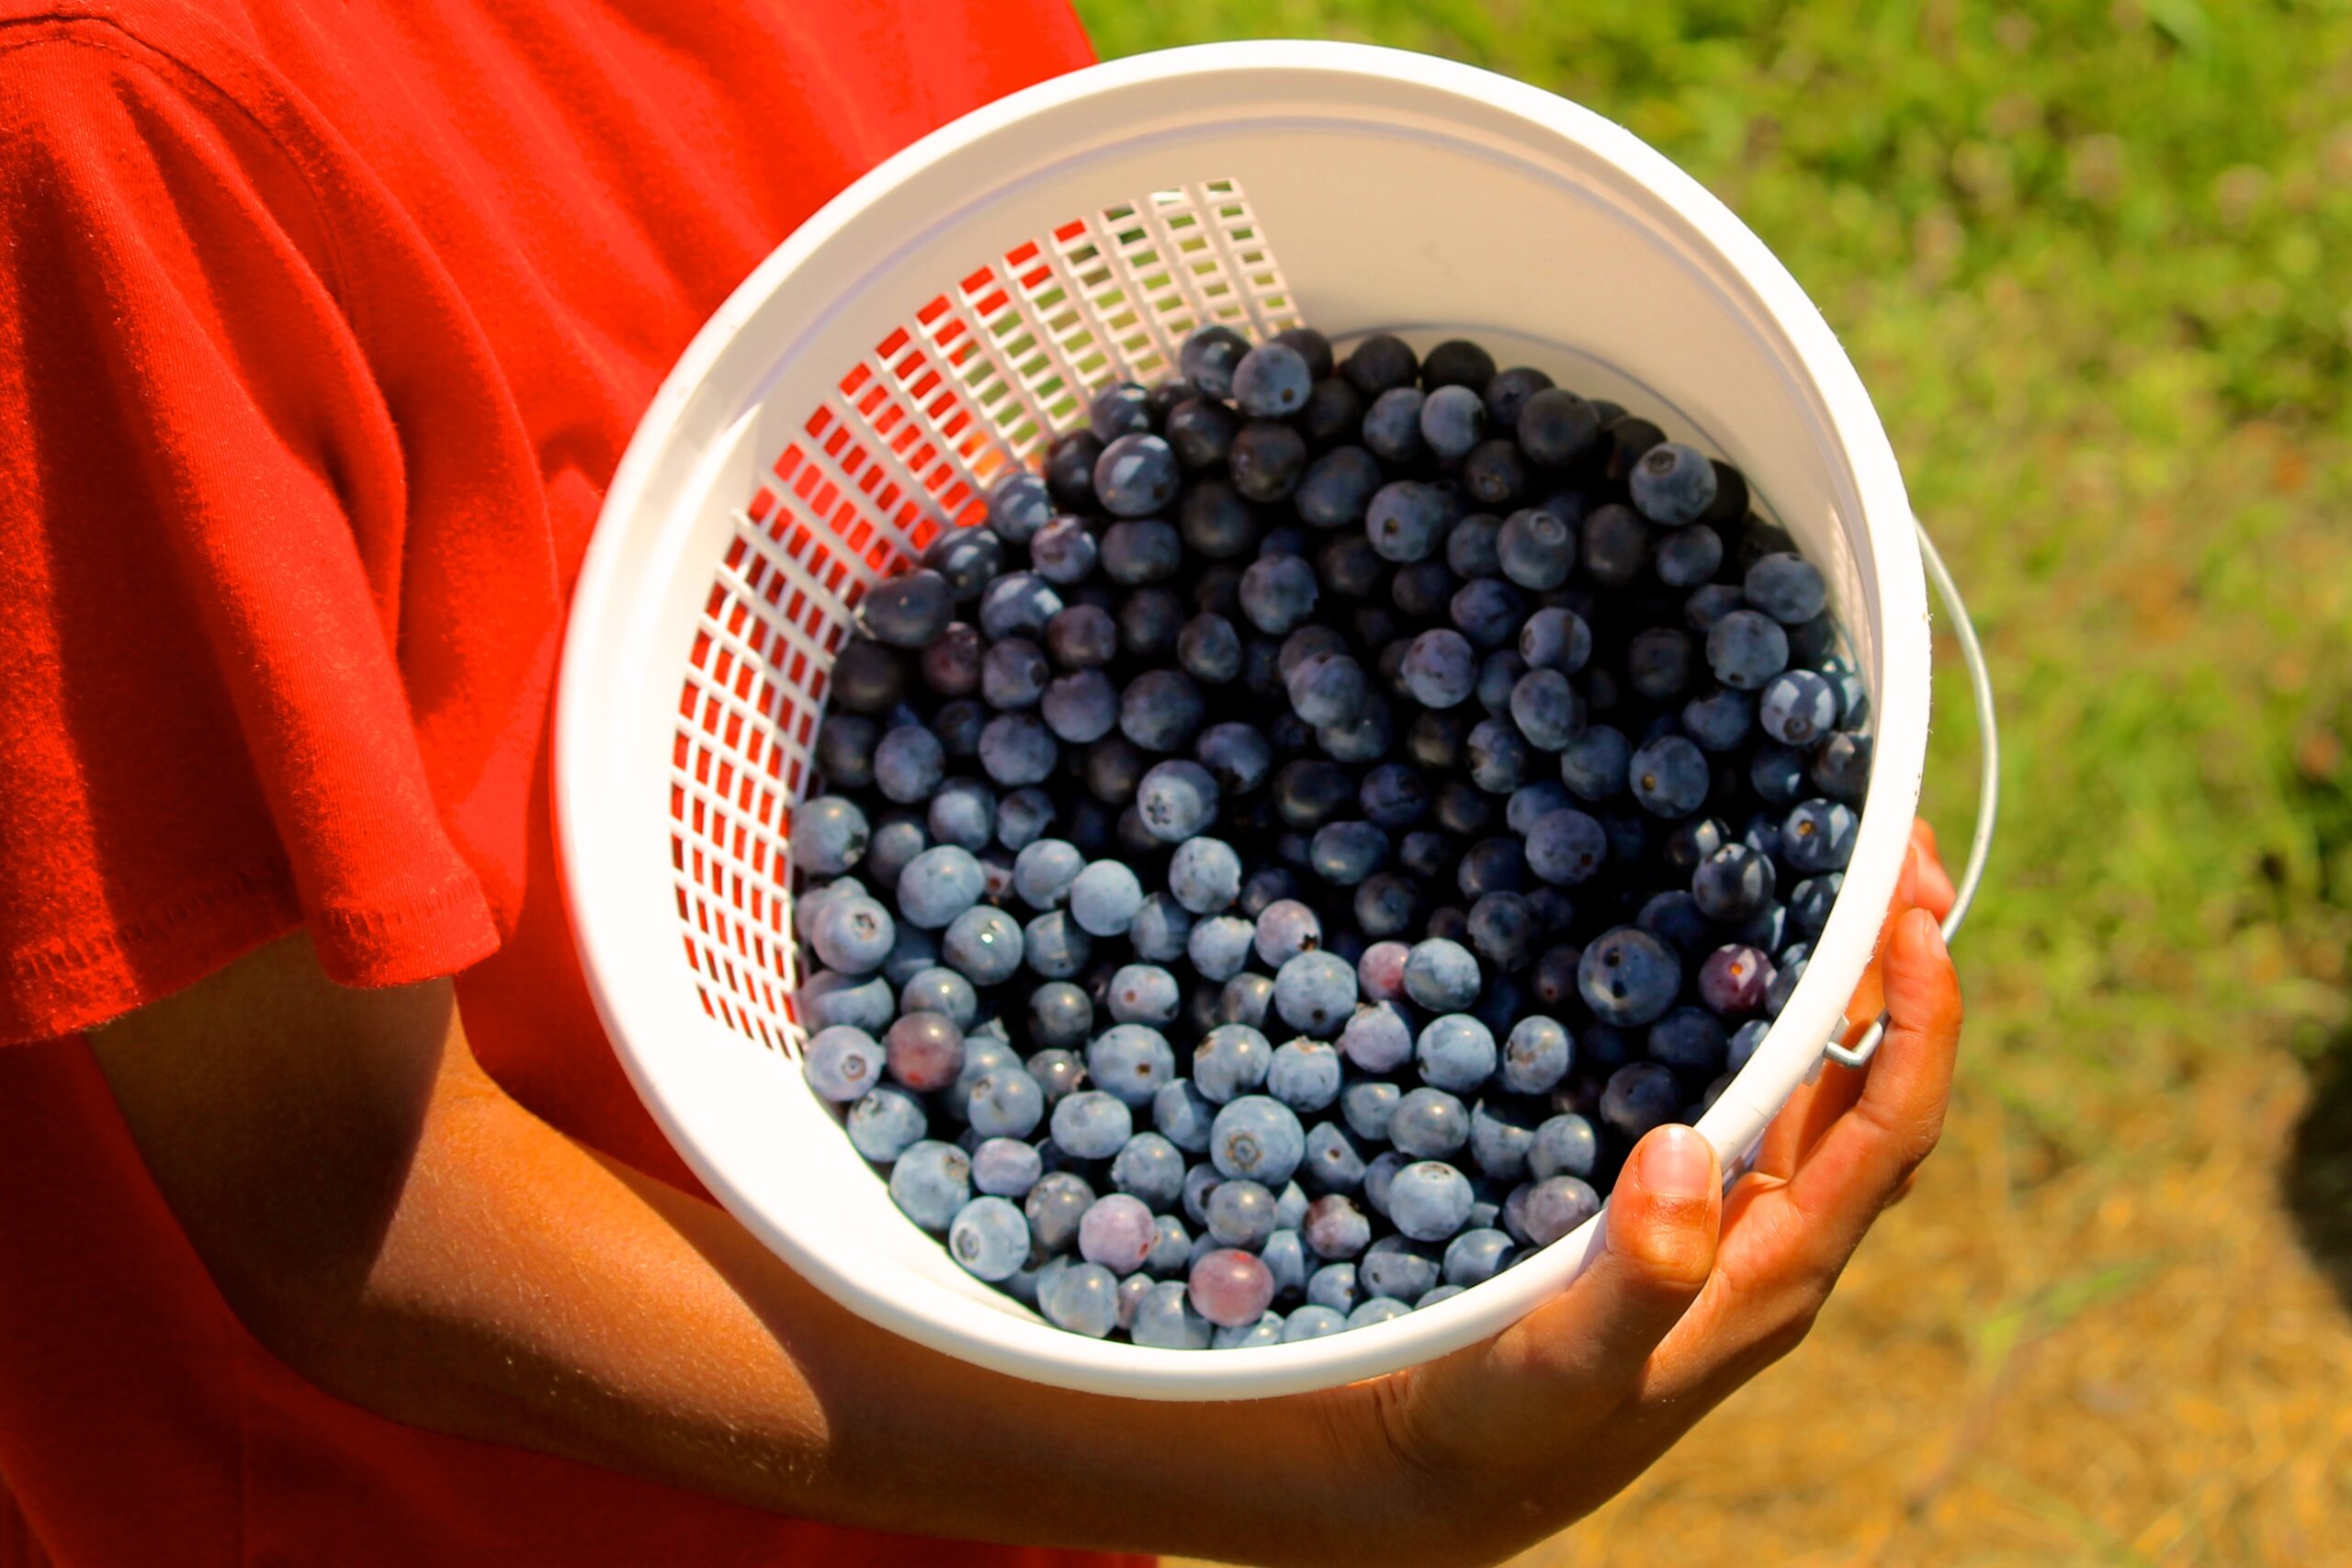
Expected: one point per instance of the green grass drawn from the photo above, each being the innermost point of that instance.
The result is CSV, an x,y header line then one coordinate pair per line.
x,y
2082,255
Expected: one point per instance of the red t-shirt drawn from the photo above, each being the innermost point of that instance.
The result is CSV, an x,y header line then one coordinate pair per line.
x,y
322,329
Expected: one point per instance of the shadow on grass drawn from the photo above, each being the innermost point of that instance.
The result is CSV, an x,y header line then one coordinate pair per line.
x,y
2317,1182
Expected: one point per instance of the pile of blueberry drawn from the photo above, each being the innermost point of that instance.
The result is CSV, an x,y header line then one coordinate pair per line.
x,y
1266,878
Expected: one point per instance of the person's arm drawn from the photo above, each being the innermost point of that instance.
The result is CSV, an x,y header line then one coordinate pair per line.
x,y
399,1230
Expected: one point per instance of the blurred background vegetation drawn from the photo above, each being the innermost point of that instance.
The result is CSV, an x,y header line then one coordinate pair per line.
x,y
2094,259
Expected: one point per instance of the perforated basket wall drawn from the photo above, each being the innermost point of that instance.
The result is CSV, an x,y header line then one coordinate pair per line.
x,y
972,384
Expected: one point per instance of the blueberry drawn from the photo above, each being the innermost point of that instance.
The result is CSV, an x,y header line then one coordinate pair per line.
x,y
1690,1041
1555,638
1231,1060
1117,410
1327,689
1734,980
1776,774
1345,854
1143,993
1732,883
1429,1123
1406,520
938,885
1428,1200
1455,1053
1596,765
1083,1298
845,751
1499,757
843,1064
963,813
990,1238
1674,918
1535,549
1616,547
1065,551
1669,777
1841,765
1556,1206
1818,837
1566,847
1658,663
1454,421
1278,592
931,1181
1006,1103
1385,906
1487,612
1565,1144
1230,1288
1270,382
1379,364
1809,903
1131,1062
1442,975
909,763
1786,587
1209,357
1628,976
1054,946
1117,1232
1719,721
829,835
1314,991
1557,428
1688,556
1016,748
1548,710
1392,426
908,611
945,991
966,559
1018,507
1007,1167
1240,1213
1457,362
1286,928
1350,568
1640,1097
1553,977
1092,1125
1257,1138
1708,604
1503,931
1422,590
1220,946
1439,669
1054,1206
1020,604
1022,817
1200,432
1305,1076
1394,1268
827,999
1672,484
1267,461
1746,649
1472,1258
1536,1056
1171,1254
885,1124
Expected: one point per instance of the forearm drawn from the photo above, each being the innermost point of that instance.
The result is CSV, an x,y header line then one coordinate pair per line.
x,y
531,1294
401,1232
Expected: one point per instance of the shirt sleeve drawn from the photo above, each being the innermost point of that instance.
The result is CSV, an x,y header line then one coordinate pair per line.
x,y
205,735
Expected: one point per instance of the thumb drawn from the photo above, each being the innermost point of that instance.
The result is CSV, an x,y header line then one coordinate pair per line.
x,y
1663,1222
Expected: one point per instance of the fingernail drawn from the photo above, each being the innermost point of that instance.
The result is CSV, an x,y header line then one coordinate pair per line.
x,y
1933,938
1677,1163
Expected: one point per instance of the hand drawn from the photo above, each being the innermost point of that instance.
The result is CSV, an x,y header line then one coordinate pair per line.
x,y
1505,1442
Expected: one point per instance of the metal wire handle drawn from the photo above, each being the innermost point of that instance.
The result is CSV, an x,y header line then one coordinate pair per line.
x,y
1988,805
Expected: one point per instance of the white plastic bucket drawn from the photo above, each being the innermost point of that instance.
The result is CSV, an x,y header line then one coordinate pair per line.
x,y
822,426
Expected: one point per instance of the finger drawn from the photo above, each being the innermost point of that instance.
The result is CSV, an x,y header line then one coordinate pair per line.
x,y
1664,1219
1855,1170
1810,1111
1936,892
